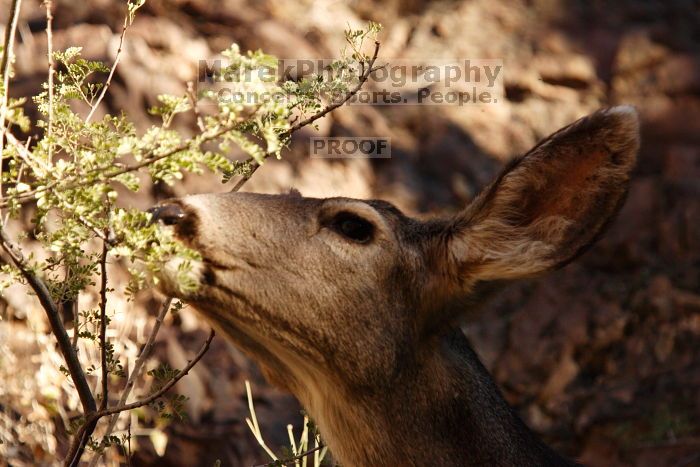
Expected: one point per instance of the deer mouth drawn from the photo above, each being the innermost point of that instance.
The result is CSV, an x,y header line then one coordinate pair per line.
x,y
188,279
179,276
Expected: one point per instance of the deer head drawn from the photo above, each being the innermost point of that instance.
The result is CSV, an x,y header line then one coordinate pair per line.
x,y
351,305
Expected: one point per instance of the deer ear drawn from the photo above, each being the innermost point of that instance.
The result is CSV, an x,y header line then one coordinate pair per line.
x,y
548,206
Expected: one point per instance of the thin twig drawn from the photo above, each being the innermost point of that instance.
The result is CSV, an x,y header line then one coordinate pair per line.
x,y
239,184
134,375
5,63
367,70
146,351
49,55
195,108
111,71
9,39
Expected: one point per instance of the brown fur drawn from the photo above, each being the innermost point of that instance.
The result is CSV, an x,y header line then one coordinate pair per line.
x,y
362,333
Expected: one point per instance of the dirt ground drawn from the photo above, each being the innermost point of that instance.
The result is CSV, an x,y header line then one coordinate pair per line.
x,y
602,358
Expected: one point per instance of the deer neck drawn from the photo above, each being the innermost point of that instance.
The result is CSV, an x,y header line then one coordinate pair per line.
x,y
444,410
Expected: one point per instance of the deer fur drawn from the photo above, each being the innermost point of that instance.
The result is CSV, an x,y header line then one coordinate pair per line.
x,y
364,331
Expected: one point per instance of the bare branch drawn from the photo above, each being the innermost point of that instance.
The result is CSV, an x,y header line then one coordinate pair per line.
x,y
145,352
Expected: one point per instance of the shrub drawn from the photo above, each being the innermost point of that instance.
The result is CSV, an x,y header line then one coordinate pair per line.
x,y
65,177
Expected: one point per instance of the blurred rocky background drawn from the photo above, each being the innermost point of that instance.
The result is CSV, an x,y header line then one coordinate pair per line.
x,y
602,358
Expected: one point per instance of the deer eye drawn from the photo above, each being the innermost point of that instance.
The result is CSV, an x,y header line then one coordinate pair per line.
x,y
352,226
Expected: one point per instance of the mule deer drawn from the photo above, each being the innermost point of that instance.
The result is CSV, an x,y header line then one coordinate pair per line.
x,y
353,306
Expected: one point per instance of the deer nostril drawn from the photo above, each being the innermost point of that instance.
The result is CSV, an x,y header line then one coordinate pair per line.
x,y
168,214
